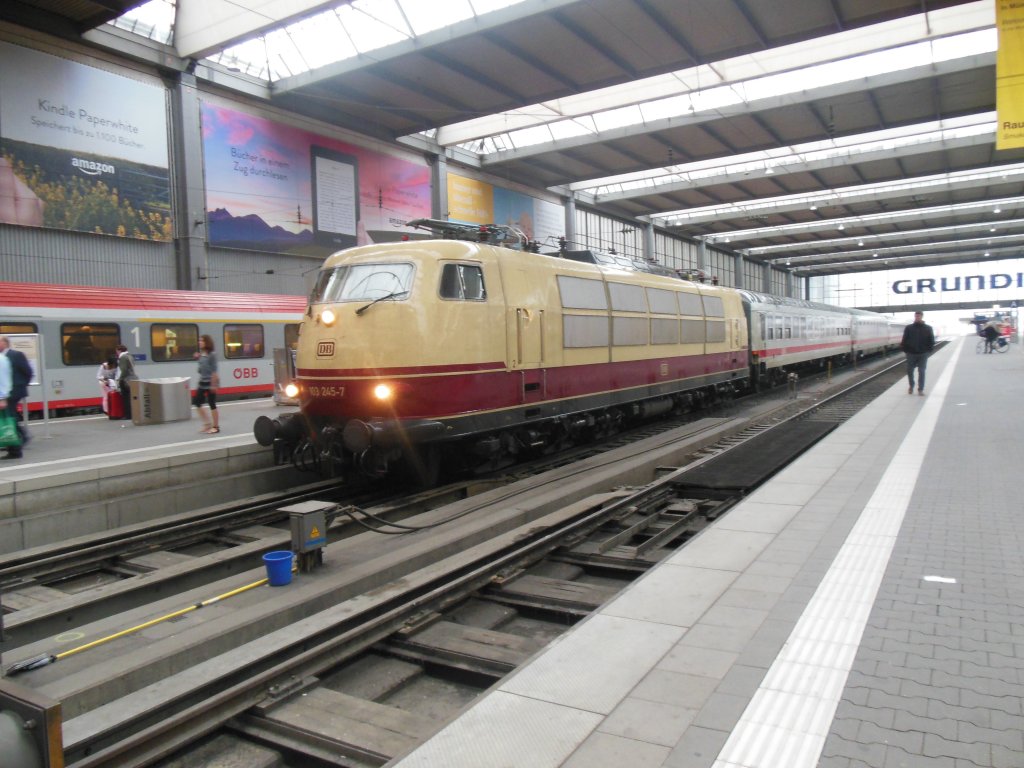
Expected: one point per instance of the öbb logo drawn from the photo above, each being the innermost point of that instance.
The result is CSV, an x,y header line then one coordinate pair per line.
x,y
245,373
325,348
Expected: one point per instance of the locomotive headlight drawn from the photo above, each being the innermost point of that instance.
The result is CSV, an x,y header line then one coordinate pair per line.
x,y
328,317
291,389
382,392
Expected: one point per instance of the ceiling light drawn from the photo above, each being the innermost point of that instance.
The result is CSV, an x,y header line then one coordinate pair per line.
x,y
874,255
860,243
991,229
987,253
997,209
814,207
840,227
768,171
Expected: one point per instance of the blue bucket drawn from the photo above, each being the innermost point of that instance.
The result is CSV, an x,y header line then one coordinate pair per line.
x,y
279,568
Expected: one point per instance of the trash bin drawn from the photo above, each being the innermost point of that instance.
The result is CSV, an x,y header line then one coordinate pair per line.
x,y
156,401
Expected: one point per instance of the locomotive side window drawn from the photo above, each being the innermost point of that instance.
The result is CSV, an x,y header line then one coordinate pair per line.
x,y
662,302
580,293
584,331
627,298
173,341
629,331
713,306
462,281
361,282
689,304
664,331
693,331
716,330
241,341
88,343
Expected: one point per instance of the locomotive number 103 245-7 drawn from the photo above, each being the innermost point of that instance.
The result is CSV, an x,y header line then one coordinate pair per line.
x,y
326,390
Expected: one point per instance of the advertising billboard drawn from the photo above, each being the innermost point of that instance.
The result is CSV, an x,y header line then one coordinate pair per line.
x,y
276,187
81,148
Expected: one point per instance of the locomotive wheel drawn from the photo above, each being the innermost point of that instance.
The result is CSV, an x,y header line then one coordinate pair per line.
x,y
421,466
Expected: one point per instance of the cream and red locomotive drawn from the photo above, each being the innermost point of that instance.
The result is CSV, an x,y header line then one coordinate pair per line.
x,y
482,350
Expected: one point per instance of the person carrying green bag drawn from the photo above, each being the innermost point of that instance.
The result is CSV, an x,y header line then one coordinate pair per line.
x,y
9,437
20,377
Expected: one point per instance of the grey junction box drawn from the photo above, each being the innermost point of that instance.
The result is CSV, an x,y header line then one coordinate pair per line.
x,y
309,531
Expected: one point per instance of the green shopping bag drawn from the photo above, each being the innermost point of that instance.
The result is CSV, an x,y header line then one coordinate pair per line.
x,y
9,437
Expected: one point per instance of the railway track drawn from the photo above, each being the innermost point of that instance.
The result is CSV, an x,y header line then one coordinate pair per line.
x,y
401,688
469,606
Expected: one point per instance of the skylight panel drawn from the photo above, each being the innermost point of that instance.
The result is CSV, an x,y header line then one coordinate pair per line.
x,y
318,41
373,24
664,108
618,118
249,58
153,20
480,7
344,32
531,136
568,129
426,17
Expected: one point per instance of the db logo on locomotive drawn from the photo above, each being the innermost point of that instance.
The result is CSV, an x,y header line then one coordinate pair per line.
x,y
325,348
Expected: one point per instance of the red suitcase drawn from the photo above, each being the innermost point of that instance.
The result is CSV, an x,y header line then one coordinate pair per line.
x,y
115,405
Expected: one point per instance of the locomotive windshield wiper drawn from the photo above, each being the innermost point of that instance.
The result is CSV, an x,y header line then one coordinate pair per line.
x,y
382,298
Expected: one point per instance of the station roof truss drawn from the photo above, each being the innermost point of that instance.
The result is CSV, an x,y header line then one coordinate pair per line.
x,y
820,136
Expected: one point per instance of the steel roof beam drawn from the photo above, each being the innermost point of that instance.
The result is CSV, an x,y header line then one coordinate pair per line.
x,y
830,91
947,182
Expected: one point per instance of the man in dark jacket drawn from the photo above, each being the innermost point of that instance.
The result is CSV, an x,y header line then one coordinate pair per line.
x,y
21,375
918,340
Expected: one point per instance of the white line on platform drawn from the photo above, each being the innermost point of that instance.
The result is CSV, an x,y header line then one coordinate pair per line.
x,y
790,715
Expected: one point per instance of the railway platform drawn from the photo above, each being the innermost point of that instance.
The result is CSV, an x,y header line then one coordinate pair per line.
x,y
862,609
87,474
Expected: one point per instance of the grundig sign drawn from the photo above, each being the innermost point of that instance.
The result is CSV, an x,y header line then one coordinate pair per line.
x,y
953,284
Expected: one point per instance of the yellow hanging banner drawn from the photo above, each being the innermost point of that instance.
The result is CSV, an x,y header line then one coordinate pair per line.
x,y
1010,74
471,200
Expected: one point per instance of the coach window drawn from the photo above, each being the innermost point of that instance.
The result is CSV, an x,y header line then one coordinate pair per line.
x,y
88,343
241,341
291,335
173,341
462,281
9,329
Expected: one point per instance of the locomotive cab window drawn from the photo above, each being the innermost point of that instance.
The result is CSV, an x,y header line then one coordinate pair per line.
x,y
463,281
241,341
88,343
173,341
363,282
